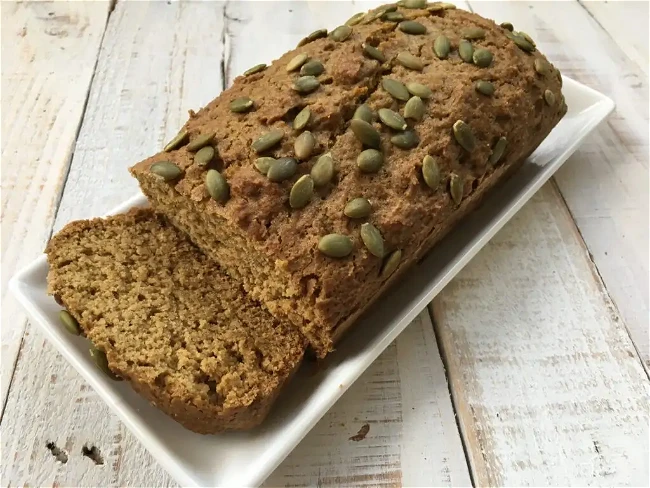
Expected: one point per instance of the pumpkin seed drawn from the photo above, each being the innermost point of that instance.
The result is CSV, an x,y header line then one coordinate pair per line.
x,y
473,33
415,3
364,112
69,322
381,11
522,43
373,52
482,58
100,360
370,161
419,90
323,171
441,46
204,156
296,62
366,133
391,263
393,16
304,145
255,69
301,192
464,135
282,169
498,150
355,19
436,7
335,245
448,6
414,109
178,140
358,208
317,34
263,164
341,33
527,37
372,239
217,186
392,119
306,84
267,141
302,119
412,27
406,140
431,172
466,51
241,105
167,170
484,87
456,188
541,66
312,68
549,96
200,142
409,61
395,88
507,26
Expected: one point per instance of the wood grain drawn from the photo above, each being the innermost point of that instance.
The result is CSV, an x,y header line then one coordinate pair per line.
x,y
49,51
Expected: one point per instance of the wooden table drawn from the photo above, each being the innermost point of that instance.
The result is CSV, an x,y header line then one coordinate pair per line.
x,y
532,366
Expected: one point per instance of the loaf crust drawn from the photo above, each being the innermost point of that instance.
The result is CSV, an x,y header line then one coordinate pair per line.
x,y
171,322
273,249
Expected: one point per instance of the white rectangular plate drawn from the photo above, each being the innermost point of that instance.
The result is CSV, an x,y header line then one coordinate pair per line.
x,y
246,459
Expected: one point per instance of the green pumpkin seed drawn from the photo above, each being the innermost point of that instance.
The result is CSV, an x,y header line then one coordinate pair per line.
x,y
178,140
302,119
204,156
464,135
373,52
355,19
412,27
391,263
522,43
267,141
456,188
301,192
392,119
414,109
507,26
436,7
396,89
370,161
473,33
200,142
101,361
431,172
406,140
442,47
217,186
306,84
415,3
323,171
549,96
482,58
282,169
484,87
366,133
498,150
419,90
393,16
296,62
448,6
304,145
341,33
167,170
527,37
312,68
541,66
317,34
466,51
241,105
263,164
409,61
372,239
335,245
364,112
69,322
255,69
358,208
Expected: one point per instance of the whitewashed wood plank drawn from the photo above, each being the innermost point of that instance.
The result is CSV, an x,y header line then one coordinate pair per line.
x,y
605,184
548,387
49,50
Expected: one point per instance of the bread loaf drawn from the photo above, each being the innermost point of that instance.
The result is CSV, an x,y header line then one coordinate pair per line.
x,y
163,316
316,181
